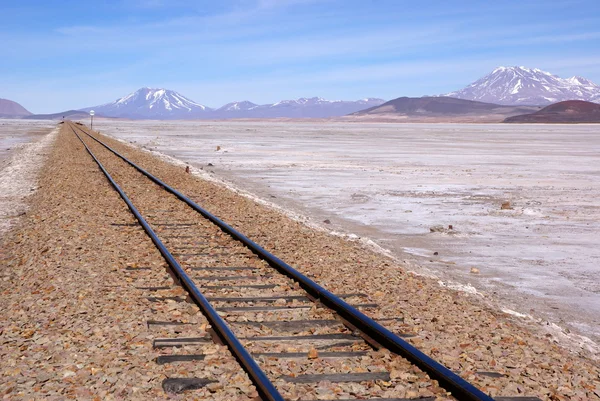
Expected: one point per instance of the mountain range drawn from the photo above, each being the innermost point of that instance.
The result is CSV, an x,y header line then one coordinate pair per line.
x,y
149,103
527,86
504,86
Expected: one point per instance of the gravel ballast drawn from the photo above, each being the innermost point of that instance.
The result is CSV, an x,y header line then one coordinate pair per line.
x,y
74,323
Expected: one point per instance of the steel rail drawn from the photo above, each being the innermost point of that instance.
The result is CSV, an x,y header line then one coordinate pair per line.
x,y
264,386
459,387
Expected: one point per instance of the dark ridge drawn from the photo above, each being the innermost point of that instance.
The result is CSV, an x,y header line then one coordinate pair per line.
x,y
440,106
569,111
70,114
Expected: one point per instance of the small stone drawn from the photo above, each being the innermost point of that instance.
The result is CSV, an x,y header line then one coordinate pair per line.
x,y
395,374
505,205
43,377
474,270
435,253
327,221
436,229
313,353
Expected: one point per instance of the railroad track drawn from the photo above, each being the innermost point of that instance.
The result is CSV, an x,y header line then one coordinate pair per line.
x,y
288,333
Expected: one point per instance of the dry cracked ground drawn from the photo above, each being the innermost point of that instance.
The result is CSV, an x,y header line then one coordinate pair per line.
x,y
74,323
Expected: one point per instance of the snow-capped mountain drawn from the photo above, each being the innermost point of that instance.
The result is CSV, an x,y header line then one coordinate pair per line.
x,y
237,106
149,103
313,101
314,107
163,104
304,101
527,86
243,109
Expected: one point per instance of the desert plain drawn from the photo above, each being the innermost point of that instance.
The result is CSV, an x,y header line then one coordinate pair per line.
x,y
399,187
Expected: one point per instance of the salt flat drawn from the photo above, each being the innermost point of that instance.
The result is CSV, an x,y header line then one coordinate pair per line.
x,y
23,146
394,182
14,133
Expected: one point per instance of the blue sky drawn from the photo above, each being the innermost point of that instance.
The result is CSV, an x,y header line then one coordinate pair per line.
x,y
71,54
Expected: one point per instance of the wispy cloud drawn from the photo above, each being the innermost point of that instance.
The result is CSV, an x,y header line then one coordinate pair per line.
x,y
265,50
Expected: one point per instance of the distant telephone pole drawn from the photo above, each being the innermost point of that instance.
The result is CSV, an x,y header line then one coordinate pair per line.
x,y
92,119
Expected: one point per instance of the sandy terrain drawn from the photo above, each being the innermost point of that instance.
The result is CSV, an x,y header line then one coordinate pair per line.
x,y
394,182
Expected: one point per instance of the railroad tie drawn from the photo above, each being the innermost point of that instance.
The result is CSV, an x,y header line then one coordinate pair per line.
x,y
164,359
179,342
176,385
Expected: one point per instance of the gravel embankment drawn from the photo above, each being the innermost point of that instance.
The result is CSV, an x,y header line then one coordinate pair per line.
x,y
74,326
73,322
198,244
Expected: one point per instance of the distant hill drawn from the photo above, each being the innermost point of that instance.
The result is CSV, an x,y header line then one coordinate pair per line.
x,y
428,106
570,111
243,105
10,109
69,114
527,86
313,107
